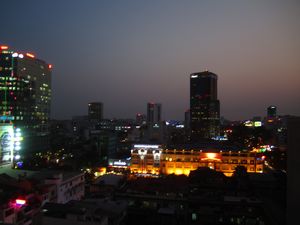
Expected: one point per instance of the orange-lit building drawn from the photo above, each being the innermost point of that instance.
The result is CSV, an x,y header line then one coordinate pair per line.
x,y
146,159
183,161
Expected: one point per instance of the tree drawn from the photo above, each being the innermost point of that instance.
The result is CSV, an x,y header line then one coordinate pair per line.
x,y
240,172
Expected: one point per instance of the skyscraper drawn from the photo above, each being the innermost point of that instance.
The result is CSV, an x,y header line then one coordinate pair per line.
x,y
204,106
271,111
25,96
153,113
95,111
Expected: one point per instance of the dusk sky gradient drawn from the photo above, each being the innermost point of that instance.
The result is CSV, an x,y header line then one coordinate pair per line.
x,y
126,53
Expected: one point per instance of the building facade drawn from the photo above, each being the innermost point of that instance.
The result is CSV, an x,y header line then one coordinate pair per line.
x,y
153,159
204,106
145,159
183,161
69,186
25,96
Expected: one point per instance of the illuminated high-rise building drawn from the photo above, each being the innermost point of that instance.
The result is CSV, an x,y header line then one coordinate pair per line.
x,y
153,113
204,106
95,111
25,96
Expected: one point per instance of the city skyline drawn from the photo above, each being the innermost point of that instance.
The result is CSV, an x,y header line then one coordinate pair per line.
x,y
122,55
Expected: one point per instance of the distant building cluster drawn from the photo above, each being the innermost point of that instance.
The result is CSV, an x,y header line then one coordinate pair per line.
x,y
25,126
25,92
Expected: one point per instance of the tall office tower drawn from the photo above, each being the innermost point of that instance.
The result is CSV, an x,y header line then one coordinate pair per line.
x,y
204,106
25,96
271,111
95,111
153,113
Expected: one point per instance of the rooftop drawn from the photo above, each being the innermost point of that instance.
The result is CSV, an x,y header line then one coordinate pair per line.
x,y
37,175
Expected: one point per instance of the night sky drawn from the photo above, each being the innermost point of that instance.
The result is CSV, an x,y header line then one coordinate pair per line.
x,y
126,53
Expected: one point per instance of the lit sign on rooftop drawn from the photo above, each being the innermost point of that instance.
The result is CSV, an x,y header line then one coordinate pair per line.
x,y
146,146
120,163
30,55
3,47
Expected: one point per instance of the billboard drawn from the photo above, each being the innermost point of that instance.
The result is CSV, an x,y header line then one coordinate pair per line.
x,y
6,143
118,162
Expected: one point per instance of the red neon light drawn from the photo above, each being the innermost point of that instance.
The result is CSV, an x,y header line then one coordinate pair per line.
x,y
20,201
30,55
3,47
50,66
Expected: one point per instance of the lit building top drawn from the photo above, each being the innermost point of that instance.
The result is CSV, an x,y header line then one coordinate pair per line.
x,y
25,89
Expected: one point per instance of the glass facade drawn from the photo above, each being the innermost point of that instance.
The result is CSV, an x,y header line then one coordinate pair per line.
x,y
204,106
25,96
